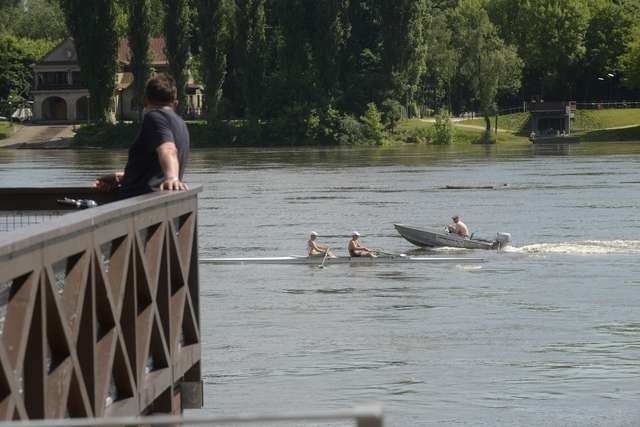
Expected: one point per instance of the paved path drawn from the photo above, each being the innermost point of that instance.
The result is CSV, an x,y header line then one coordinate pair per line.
x,y
457,122
39,136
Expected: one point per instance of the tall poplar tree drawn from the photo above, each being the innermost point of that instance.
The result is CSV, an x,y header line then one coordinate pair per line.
x,y
251,46
404,45
330,32
177,29
92,25
214,18
139,33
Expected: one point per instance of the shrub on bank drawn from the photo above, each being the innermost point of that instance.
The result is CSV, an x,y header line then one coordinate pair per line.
x,y
105,135
372,123
442,131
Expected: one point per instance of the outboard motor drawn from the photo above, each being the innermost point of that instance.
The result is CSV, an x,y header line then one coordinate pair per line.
x,y
503,240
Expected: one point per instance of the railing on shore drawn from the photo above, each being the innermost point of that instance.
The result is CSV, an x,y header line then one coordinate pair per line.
x,y
361,416
99,308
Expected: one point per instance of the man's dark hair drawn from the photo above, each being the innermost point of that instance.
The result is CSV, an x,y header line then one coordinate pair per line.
x,y
161,89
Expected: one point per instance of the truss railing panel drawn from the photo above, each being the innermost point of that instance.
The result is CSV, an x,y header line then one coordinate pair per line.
x,y
99,310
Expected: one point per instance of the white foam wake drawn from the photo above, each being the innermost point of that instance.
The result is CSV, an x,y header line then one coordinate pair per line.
x,y
587,247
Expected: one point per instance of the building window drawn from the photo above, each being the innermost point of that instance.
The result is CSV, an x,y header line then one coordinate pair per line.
x,y
76,79
56,78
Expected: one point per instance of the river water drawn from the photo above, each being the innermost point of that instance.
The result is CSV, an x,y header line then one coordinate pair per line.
x,y
546,333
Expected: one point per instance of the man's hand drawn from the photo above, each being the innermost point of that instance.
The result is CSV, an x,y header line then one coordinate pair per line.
x,y
168,158
173,184
108,183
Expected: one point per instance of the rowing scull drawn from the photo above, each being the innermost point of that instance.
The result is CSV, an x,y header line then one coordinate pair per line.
x,y
340,260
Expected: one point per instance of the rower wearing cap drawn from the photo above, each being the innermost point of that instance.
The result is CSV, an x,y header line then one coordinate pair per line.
x,y
356,249
314,249
458,227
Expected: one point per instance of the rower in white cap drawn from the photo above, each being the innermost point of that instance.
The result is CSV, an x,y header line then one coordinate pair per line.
x,y
314,249
356,249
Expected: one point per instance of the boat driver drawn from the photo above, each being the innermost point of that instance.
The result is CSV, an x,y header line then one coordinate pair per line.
x,y
356,249
314,249
458,227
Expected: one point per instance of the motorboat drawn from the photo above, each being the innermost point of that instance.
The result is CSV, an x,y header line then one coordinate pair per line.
x,y
436,239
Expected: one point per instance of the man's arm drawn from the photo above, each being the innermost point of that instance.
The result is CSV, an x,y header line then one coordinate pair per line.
x,y
168,159
108,183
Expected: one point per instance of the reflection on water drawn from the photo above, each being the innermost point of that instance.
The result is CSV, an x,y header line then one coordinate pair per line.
x,y
545,333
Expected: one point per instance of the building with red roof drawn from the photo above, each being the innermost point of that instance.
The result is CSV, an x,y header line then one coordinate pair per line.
x,y
60,94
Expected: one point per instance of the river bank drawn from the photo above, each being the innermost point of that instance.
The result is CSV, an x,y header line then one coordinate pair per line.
x,y
620,125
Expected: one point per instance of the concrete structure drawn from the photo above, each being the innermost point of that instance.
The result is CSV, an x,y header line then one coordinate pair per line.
x,y
60,94
551,118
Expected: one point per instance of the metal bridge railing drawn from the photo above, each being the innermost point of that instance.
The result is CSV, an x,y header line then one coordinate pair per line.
x,y
99,308
360,416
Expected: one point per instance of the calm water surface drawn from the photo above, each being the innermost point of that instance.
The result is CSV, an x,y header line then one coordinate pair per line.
x,y
545,334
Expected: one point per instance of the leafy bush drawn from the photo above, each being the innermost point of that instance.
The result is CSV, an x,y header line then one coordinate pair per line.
x,y
442,131
372,125
105,135
391,113
350,130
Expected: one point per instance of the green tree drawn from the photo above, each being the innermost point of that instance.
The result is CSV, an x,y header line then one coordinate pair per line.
x,y
36,19
156,16
92,25
139,33
630,60
607,36
487,64
363,76
16,74
372,124
441,64
214,17
549,36
404,45
329,31
251,46
292,81
177,30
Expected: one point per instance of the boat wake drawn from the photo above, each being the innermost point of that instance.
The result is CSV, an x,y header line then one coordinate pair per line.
x,y
587,247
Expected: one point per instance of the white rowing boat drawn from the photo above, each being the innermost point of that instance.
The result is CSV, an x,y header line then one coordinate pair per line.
x,y
341,260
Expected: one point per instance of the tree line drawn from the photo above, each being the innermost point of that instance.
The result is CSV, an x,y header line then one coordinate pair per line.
x,y
341,71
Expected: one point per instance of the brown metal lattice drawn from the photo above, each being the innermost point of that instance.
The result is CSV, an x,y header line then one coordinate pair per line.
x,y
99,311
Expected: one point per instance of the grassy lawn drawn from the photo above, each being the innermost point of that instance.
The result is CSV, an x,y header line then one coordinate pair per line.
x,y
7,129
418,131
603,135
588,120
585,120
516,122
590,125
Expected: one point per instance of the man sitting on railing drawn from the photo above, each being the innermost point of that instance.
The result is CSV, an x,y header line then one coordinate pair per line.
x,y
159,154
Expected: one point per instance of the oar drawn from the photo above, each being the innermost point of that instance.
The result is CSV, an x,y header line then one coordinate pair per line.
x,y
388,253
326,253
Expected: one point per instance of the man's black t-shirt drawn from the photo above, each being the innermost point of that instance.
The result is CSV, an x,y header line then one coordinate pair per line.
x,y
143,173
